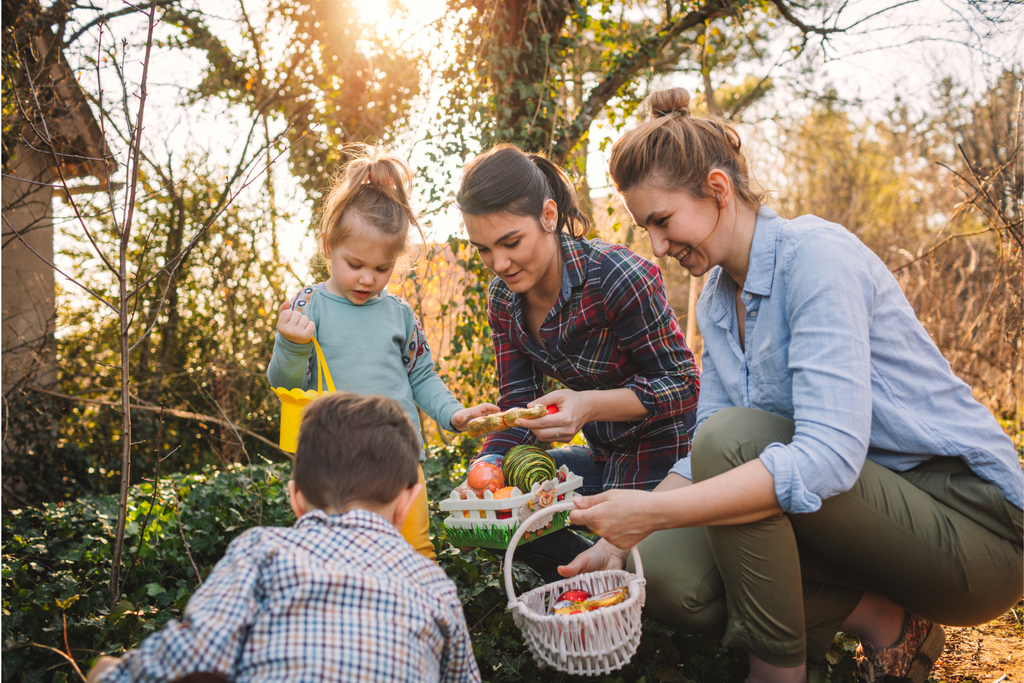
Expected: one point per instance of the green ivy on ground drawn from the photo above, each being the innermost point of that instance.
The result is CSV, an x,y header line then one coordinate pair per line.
x,y
56,569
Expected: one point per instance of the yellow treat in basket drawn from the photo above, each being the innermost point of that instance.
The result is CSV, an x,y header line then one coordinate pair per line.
x,y
499,422
294,400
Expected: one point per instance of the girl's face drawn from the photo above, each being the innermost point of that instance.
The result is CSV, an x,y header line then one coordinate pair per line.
x,y
360,265
518,249
679,225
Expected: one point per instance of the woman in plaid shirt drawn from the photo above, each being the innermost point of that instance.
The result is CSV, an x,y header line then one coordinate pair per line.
x,y
591,315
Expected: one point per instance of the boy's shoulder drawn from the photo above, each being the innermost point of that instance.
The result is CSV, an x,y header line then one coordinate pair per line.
x,y
357,543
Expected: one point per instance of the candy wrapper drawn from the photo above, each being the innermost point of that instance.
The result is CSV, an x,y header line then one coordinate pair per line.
x,y
499,422
574,602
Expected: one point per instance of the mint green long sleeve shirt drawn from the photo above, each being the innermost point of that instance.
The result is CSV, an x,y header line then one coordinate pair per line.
x,y
376,348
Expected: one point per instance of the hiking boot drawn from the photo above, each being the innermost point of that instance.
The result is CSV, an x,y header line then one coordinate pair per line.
x,y
912,656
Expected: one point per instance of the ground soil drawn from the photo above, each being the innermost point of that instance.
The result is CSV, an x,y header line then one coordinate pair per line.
x,y
991,653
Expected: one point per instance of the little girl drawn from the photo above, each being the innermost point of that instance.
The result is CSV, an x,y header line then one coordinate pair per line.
x,y
372,341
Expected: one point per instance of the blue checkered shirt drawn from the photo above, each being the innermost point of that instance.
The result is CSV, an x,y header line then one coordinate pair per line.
x,y
333,598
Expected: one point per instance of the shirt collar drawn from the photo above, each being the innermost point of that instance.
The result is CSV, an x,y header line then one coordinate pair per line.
x,y
761,266
353,519
376,299
574,264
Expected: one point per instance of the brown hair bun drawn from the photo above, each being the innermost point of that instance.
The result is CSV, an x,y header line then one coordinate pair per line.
x,y
667,102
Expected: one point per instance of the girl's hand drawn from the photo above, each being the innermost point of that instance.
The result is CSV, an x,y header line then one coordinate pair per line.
x,y
621,517
462,417
561,426
602,555
294,326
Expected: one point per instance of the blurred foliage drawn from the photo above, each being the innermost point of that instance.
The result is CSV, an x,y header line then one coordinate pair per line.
x,y
937,195
208,300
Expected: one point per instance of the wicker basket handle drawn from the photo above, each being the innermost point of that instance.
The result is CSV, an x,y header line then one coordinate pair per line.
x,y
557,507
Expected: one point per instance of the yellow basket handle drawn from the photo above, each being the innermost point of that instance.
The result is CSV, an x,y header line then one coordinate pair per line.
x,y
323,372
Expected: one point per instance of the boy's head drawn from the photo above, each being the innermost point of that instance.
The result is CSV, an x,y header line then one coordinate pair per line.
x,y
355,449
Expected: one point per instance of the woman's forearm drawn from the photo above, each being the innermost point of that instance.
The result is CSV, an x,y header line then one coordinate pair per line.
x,y
614,405
741,495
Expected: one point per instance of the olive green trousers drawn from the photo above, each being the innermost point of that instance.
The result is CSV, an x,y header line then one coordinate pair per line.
x,y
937,540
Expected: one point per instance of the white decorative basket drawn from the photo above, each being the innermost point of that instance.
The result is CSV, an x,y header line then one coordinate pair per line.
x,y
489,522
590,643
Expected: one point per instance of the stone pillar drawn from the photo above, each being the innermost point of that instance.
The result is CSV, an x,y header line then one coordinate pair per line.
x,y
28,301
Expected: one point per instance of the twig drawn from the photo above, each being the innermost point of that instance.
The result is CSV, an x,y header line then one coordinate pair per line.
x,y
181,532
152,504
61,653
165,411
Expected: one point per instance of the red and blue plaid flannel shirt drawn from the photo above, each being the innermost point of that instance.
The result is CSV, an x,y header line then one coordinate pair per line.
x,y
611,327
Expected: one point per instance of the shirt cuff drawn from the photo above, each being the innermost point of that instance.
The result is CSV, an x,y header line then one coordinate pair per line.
x,y
790,489
683,468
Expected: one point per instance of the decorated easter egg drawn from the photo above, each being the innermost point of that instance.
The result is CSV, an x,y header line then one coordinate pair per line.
x,y
485,476
526,465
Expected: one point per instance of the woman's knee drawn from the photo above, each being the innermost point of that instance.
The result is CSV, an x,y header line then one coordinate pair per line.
x,y
684,587
733,436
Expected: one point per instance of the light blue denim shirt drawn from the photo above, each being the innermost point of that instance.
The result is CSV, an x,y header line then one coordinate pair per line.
x,y
833,344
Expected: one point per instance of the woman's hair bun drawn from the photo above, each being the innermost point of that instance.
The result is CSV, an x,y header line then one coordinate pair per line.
x,y
667,102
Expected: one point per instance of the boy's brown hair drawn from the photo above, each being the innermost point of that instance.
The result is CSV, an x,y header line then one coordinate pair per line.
x,y
355,448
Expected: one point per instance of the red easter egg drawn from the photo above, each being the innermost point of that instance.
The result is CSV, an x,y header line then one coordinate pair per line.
x,y
485,476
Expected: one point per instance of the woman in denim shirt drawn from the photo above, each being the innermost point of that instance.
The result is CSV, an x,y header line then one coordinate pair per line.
x,y
843,478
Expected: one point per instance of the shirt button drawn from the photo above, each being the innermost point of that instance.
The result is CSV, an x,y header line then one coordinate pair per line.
x,y
753,314
747,296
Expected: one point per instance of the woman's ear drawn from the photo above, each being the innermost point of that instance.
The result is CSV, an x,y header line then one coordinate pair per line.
x,y
549,215
720,184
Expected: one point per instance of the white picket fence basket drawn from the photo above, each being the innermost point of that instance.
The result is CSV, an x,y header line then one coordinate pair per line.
x,y
590,643
483,513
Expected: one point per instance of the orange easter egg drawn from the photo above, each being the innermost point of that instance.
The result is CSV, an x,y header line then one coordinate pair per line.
x,y
504,492
485,476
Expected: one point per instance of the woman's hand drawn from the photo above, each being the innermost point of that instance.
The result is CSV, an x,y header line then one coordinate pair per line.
x,y
619,516
573,413
577,408
462,417
602,555
293,325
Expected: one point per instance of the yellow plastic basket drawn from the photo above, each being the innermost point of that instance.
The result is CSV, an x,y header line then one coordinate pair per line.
x,y
294,400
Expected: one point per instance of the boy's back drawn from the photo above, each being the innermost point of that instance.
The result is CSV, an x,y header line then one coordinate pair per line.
x,y
334,598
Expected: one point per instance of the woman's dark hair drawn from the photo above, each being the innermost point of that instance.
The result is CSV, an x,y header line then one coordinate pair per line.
x,y
507,180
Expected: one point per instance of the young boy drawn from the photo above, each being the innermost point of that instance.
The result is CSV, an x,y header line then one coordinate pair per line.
x,y
340,596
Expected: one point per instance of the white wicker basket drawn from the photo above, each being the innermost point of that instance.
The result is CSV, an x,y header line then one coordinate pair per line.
x,y
590,643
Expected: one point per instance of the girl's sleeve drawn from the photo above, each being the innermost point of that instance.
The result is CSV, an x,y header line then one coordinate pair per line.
x,y
290,363
830,300
428,390
637,309
519,380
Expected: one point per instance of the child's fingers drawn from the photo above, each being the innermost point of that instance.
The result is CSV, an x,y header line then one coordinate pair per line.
x,y
286,306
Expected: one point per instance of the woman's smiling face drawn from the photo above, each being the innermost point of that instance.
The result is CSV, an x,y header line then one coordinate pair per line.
x,y
516,248
678,225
